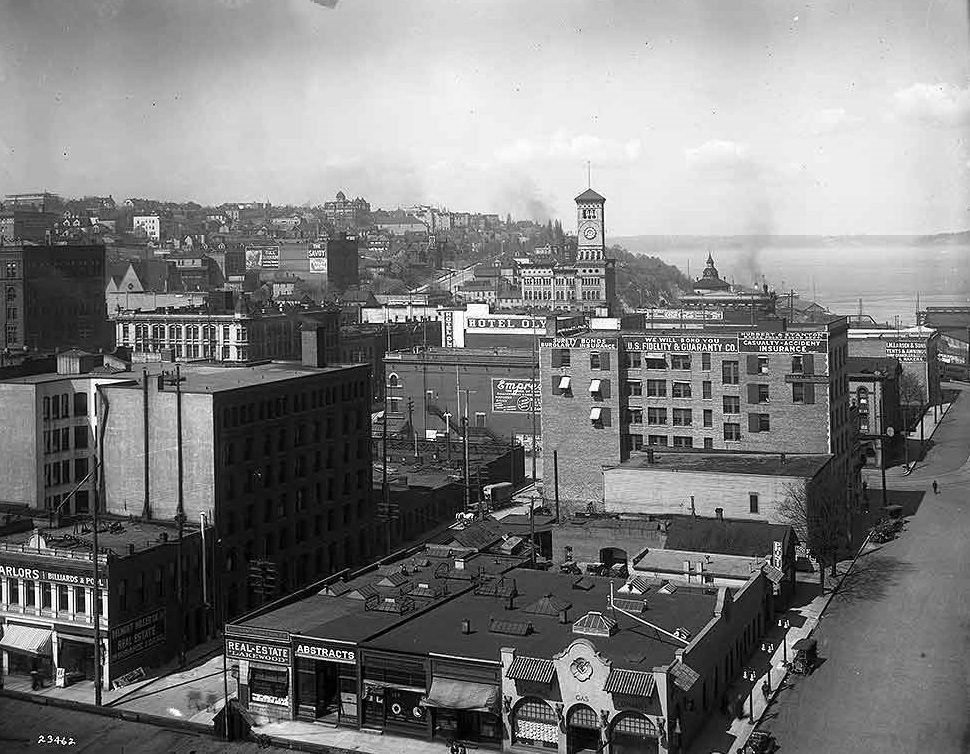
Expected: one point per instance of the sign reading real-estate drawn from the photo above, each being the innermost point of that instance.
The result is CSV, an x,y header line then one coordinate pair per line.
x,y
135,636
906,350
257,652
513,396
328,651
681,344
793,342
262,257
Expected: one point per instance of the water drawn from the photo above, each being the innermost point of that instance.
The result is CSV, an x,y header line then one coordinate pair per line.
x,y
887,277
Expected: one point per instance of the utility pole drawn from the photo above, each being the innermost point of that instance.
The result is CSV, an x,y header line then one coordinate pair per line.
x,y
533,387
180,511
414,432
555,478
385,491
98,487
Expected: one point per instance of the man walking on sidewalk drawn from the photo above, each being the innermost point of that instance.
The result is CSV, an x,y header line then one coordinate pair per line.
x,y
936,488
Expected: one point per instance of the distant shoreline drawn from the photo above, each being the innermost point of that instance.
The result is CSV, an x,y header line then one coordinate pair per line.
x,y
647,242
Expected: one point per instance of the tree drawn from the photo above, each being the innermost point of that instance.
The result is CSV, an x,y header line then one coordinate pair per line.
x,y
911,393
818,511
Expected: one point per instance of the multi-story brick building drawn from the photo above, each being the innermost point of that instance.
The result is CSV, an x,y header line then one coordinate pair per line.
x,y
874,390
771,388
590,283
917,349
53,297
278,455
344,213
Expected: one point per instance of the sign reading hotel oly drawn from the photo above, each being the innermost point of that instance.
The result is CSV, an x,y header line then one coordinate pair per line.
x,y
681,344
784,342
315,649
506,324
257,652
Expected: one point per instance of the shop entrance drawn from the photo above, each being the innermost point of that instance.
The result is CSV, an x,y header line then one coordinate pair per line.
x,y
582,730
634,733
28,650
318,689
76,658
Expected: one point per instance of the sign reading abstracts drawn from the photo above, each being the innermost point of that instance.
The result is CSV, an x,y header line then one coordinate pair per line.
x,y
320,650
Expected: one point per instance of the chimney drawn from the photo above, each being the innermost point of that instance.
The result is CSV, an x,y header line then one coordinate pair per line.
x,y
131,549
563,616
510,602
719,513
466,626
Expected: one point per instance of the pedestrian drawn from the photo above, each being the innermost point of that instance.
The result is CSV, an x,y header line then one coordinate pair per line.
x,y
936,488
766,689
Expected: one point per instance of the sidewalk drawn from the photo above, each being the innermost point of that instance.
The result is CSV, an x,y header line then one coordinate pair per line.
x,y
725,733
351,739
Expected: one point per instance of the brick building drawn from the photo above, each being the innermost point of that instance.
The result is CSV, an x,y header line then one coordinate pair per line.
x,y
277,455
53,297
917,350
609,394
369,343
874,391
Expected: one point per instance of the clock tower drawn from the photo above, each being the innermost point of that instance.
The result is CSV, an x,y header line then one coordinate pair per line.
x,y
590,227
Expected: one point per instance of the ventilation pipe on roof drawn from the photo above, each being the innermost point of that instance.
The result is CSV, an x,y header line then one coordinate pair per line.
x,y
719,513
466,626
783,458
564,615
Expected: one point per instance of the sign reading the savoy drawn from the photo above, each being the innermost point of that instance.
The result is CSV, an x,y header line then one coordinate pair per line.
x,y
515,396
250,650
324,650
135,636
681,344
593,344
906,350
784,342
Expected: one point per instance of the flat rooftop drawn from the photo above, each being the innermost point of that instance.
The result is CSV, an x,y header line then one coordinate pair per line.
x,y
461,355
633,646
114,534
762,464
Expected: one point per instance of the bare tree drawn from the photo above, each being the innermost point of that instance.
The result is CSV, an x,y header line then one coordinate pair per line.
x,y
818,512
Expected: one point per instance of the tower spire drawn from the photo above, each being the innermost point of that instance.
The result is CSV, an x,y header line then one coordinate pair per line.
x,y
589,174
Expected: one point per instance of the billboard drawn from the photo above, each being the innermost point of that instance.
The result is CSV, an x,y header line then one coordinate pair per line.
x,y
318,265
910,351
518,325
593,344
448,331
515,396
784,342
262,257
681,344
706,315
531,443
254,259
271,258
316,251
135,636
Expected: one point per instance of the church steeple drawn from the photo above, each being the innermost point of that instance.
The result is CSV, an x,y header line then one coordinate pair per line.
x,y
711,279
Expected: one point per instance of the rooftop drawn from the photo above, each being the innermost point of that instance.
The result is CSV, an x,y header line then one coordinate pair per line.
x,y
115,535
590,196
858,365
633,645
763,464
727,536
463,355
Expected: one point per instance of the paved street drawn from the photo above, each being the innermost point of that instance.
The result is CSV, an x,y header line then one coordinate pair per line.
x,y
22,723
895,641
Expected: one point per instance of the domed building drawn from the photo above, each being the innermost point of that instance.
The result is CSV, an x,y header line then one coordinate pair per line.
x,y
710,280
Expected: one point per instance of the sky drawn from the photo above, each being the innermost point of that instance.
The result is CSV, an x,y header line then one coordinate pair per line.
x,y
691,117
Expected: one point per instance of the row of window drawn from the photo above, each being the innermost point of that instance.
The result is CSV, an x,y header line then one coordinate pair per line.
x,y
59,472
800,364
301,435
284,405
59,406
24,593
59,440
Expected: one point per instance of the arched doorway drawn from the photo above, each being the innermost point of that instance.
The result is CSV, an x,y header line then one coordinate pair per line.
x,y
633,733
582,730
535,723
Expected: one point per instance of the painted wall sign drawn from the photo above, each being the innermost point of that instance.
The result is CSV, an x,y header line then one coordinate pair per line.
x,y
449,330
592,344
681,344
784,342
318,265
510,396
505,323
696,314
135,636
41,574
776,555
283,701
906,350
322,650
316,251
257,652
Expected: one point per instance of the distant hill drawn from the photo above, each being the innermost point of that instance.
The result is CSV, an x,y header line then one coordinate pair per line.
x,y
649,244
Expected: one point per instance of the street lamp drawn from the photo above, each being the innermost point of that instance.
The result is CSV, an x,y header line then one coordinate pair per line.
x,y
749,674
785,624
769,647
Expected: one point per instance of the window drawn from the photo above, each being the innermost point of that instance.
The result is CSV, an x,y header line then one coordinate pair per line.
x,y
759,422
594,360
708,417
753,502
657,441
706,362
656,388
680,390
683,442
80,468
708,443
797,364
635,416
680,361
634,387
13,587
632,360
862,397
62,597
682,417
656,416
762,393
762,365
636,442
706,391
30,597
732,404
80,600
81,437
80,404
560,357
732,431
730,373
655,363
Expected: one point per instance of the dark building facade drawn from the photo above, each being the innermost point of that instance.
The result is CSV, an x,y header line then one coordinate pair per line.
x,y
343,262
53,297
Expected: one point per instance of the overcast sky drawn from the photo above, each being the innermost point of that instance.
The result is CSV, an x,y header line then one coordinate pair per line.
x,y
722,116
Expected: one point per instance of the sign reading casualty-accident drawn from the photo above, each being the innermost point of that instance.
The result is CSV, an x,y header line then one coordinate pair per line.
x,y
681,344
784,342
515,396
315,649
906,350
251,650
592,344
135,636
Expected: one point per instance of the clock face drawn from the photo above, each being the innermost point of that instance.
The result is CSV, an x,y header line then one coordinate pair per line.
x,y
590,232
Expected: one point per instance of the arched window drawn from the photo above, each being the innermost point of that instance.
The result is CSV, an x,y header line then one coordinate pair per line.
x,y
393,380
174,332
862,396
534,722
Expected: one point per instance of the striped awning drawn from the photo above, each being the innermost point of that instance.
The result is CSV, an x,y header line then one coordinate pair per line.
x,y
32,640
629,682
531,669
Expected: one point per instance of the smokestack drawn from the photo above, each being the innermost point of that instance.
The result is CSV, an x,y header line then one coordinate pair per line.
x,y
466,626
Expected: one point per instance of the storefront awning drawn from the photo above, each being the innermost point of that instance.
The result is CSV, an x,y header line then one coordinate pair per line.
x,y
461,695
27,639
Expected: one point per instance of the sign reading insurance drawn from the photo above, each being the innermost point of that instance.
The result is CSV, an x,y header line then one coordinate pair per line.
x,y
315,649
681,344
784,342
515,396
257,652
